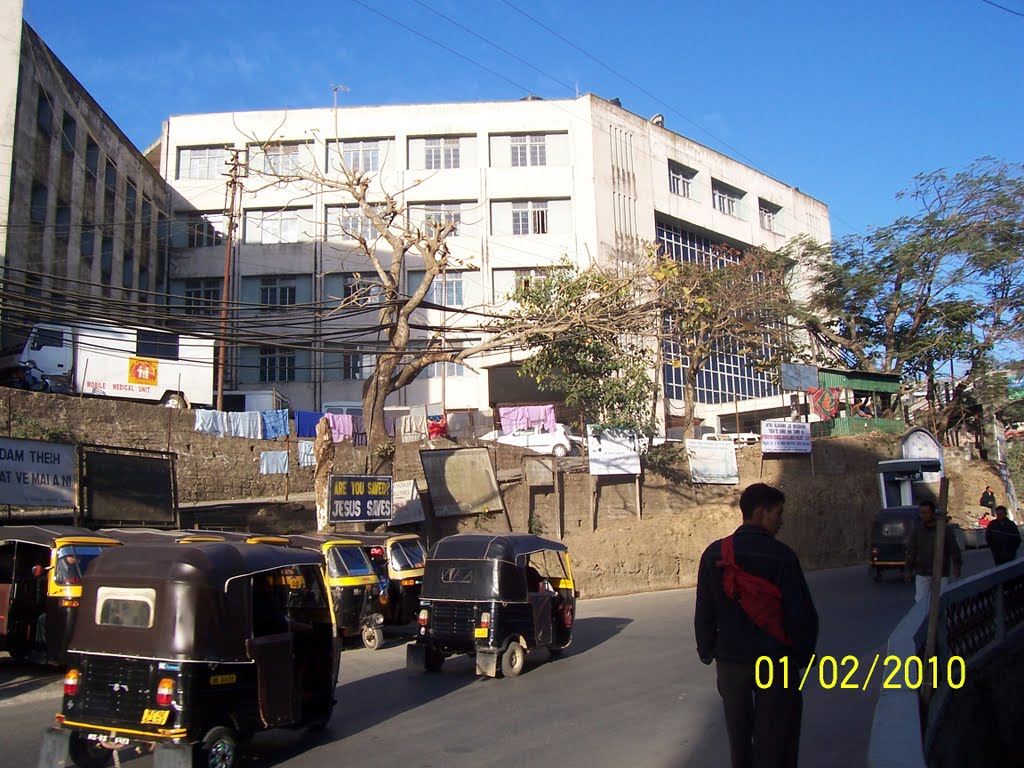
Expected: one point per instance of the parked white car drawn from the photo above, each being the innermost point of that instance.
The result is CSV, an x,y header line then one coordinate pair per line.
x,y
561,442
740,438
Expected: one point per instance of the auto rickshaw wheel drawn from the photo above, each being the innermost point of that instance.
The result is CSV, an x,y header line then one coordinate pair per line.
x,y
87,754
373,637
513,660
218,749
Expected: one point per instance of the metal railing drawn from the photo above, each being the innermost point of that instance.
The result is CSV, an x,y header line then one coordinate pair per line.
x,y
977,617
855,425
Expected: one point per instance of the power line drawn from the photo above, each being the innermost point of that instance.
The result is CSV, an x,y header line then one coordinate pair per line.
x,y
1003,8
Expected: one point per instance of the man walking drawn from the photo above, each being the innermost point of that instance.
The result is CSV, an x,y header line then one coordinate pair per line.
x,y
921,553
753,603
1002,537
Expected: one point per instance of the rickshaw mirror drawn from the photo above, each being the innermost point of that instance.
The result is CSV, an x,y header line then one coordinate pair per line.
x,y
37,571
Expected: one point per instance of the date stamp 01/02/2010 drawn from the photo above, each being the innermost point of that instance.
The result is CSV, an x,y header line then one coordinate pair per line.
x,y
897,673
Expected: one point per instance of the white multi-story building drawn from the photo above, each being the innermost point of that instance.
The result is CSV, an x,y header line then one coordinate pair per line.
x,y
525,182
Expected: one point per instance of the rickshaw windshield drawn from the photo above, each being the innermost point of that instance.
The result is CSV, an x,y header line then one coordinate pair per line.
x,y
407,554
348,561
72,561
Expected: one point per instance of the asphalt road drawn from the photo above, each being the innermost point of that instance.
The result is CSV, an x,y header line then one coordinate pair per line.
x,y
630,692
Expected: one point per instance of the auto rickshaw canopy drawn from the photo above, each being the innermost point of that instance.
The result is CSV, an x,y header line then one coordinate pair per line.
x,y
52,535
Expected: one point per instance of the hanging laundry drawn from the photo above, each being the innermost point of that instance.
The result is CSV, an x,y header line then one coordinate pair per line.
x,y
526,416
413,428
275,424
824,402
460,425
274,463
243,424
437,426
305,423
306,458
341,426
389,425
211,422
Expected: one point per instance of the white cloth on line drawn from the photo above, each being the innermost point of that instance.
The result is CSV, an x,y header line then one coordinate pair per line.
x,y
211,423
306,453
274,463
245,424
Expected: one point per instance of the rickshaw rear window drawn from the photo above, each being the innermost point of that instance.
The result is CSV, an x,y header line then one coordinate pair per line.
x,y
457,576
348,561
72,561
896,528
125,607
407,554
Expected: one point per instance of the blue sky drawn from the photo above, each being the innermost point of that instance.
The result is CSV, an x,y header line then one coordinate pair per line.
x,y
846,101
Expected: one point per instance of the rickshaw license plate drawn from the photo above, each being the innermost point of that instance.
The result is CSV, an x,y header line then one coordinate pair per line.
x,y
480,632
105,738
155,716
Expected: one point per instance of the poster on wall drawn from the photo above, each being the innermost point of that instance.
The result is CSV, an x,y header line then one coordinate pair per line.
x,y
359,498
613,451
34,473
785,437
712,462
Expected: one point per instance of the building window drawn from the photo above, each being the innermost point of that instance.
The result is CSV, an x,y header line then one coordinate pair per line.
x,y
200,162
128,267
269,227
508,281
92,157
131,196
204,229
447,370
106,259
37,207
725,198
361,156
202,296
281,159
445,289
441,153
355,289
87,242
679,178
63,228
767,213
683,245
69,133
44,114
277,364
276,292
443,213
529,150
349,223
530,217
351,366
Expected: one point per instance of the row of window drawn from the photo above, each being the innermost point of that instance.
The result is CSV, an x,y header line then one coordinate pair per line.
x,y
724,197
359,155
281,365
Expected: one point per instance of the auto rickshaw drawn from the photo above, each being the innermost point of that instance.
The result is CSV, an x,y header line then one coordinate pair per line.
x,y
41,571
355,589
398,559
495,596
889,532
160,535
192,648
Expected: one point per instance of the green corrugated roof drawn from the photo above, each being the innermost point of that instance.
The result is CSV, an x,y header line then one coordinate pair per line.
x,y
863,380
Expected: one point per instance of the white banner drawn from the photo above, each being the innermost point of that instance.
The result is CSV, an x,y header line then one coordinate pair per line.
x,y
34,473
785,437
712,462
406,503
613,451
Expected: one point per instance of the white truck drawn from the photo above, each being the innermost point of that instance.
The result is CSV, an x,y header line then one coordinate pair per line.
x,y
132,363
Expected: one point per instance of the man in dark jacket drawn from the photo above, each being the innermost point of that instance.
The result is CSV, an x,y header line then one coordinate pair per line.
x,y
988,499
1002,537
752,603
921,553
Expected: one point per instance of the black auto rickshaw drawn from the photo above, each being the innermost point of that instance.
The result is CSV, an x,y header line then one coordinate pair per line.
x,y
889,532
160,535
398,559
495,596
41,571
355,588
191,648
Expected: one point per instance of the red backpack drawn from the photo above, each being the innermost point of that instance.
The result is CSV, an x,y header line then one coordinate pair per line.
x,y
759,598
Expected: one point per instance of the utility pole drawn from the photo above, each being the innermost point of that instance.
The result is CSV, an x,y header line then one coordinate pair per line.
x,y
229,237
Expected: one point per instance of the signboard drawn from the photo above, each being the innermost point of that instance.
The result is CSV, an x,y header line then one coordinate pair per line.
x,y
34,473
128,486
613,451
798,377
359,498
1015,386
142,370
919,443
461,481
712,462
405,500
785,437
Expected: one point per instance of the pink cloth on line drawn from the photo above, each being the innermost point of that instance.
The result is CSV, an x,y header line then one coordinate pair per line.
x,y
341,426
526,416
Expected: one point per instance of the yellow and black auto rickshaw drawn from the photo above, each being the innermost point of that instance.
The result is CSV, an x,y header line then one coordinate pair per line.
x,y
889,532
355,588
41,571
398,559
495,596
192,648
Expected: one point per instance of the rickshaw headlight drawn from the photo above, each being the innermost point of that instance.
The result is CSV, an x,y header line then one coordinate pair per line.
x,y
71,682
485,619
165,692
423,617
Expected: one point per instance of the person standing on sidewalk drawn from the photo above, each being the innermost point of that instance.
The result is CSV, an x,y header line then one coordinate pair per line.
x,y
921,553
1002,537
753,603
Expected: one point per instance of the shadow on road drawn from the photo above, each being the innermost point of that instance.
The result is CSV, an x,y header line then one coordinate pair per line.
x,y
591,632
17,678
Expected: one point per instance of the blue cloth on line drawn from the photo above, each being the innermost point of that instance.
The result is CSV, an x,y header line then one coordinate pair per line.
x,y
274,463
275,424
305,423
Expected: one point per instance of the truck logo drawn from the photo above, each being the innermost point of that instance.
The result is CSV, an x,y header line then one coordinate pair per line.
x,y
142,371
